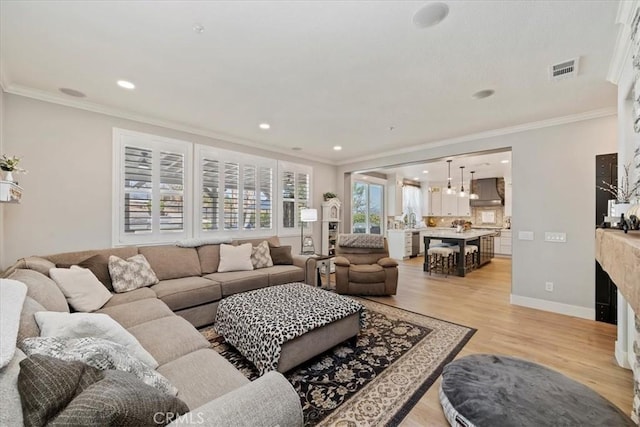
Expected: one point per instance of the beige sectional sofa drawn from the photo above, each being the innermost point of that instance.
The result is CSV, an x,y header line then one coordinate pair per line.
x,y
162,317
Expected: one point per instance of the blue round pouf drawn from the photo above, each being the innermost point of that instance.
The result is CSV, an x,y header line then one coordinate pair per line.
x,y
488,390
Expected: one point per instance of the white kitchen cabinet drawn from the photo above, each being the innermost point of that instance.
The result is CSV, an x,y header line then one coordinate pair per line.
x,y
464,209
399,242
433,205
394,195
449,204
505,242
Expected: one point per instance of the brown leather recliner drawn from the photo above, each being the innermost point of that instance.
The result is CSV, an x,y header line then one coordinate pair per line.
x,y
364,270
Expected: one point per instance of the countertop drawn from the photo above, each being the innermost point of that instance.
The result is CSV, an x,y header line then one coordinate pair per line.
x,y
452,234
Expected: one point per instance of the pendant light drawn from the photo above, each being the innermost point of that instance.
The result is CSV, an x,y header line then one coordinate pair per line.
x,y
449,189
462,193
472,196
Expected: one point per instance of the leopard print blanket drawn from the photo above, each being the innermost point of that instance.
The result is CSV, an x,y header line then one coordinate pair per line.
x,y
258,322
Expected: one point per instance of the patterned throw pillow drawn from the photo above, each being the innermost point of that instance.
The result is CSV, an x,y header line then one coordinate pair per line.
x,y
131,274
261,256
99,353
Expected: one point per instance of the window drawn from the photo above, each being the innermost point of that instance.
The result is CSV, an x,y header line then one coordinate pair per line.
x,y
151,178
295,182
412,201
236,192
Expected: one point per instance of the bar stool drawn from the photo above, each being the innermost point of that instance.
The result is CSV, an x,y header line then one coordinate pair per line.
x,y
441,259
470,256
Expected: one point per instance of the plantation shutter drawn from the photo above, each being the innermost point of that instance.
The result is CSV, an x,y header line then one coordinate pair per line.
x,y
231,196
266,198
296,194
210,194
151,198
249,206
137,189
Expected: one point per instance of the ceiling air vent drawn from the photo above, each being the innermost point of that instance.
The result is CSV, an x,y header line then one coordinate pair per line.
x,y
565,69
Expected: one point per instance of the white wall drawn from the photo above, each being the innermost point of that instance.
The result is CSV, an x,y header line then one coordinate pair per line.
x,y
66,204
553,190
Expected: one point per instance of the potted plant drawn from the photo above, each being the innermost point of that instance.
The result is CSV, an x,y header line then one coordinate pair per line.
x,y
328,195
623,193
9,165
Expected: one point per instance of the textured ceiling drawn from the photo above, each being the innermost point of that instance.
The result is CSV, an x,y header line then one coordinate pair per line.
x,y
322,73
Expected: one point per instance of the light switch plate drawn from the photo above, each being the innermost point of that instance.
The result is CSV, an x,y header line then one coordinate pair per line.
x,y
555,237
525,235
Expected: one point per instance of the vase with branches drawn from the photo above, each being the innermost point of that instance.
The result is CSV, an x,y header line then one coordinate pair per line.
x,y
626,191
9,165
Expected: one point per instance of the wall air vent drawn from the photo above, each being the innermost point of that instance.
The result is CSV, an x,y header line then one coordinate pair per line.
x,y
564,70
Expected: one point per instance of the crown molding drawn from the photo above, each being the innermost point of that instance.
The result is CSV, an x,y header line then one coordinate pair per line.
x,y
45,96
594,114
622,48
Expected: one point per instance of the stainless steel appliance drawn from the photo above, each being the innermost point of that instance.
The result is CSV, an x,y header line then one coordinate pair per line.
x,y
415,243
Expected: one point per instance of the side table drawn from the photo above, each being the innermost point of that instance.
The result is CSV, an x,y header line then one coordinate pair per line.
x,y
322,261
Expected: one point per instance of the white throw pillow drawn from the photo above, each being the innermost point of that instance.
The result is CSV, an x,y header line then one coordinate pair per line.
x,y
12,295
130,274
99,325
235,258
261,255
81,288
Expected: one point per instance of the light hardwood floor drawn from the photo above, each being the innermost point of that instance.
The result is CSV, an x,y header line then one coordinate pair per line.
x,y
581,349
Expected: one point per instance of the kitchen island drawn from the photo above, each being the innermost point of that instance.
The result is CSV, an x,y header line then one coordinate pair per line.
x,y
481,238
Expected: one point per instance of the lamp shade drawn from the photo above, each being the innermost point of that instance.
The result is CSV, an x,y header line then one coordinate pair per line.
x,y
308,215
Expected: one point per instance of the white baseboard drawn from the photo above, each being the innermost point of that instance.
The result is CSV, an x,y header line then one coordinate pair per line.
x,y
622,357
556,307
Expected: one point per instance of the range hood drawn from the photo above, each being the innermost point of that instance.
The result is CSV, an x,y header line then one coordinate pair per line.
x,y
488,194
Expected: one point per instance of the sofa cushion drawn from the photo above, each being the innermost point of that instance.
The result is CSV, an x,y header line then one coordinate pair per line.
x,y
209,256
172,262
81,287
240,281
187,292
137,312
235,258
127,297
281,274
42,289
28,325
39,264
98,325
12,295
168,338
99,266
132,273
201,376
272,241
366,273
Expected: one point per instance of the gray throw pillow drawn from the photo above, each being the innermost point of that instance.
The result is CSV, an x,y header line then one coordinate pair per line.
x,y
260,256
55,392
281,255
100,354
132,273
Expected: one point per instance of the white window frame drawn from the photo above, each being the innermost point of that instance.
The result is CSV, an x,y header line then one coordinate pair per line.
x,y
222,156
296,169
125,138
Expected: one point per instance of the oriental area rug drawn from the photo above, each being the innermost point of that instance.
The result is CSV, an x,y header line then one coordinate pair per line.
x,y
398,356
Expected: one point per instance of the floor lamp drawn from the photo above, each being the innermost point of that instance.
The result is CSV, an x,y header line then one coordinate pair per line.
x,y
306,242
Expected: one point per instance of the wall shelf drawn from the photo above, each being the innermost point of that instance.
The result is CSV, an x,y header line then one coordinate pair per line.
x,y
10,192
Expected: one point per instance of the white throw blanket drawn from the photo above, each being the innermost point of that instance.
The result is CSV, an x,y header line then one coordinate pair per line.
x,y
12,295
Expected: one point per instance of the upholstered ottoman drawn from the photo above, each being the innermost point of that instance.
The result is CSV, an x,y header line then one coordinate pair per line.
x,y
279,327
489,390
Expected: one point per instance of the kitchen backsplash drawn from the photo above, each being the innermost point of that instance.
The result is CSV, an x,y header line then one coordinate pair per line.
x,y
476,217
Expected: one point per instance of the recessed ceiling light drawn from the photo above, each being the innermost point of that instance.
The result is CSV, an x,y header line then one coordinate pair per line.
x,y
126,85
483,94
430,15
416,179
425,171
337,147
504,161
264,126
198,28
72,92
